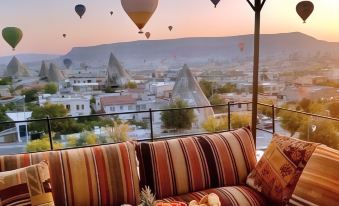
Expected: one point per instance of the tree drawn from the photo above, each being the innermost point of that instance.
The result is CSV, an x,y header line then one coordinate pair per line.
x,y
292,121
217,100
316,108
265,110
41,145
86,138
109,89
334,109
51,88
227,88
207,87
214,125
31,95
131,85
6,81
178,119
304,104
64,126
118,132
240,120
4,117
324,132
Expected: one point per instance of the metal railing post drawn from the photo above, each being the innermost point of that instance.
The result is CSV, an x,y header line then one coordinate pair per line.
x,y
151,123
49,132
273,118
229,115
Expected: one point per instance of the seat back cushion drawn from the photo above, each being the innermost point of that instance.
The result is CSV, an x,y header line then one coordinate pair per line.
x,y
26,186
190,164
100,175
319,182
278,171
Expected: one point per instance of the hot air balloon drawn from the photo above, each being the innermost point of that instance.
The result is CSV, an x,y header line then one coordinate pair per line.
x,y
68,63
111,13
64,35
170,28
241,46
12,35
148,35
140,11
80,10
215,2
305,9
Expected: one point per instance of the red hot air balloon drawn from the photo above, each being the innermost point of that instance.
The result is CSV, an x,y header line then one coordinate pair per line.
x,y
140,11
304,9
80,10
241,46
148,35
215,2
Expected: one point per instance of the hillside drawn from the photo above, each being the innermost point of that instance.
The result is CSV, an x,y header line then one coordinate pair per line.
x,y
202,49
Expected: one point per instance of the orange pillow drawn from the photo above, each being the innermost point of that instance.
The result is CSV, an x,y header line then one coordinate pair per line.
x,y
26,186
278,171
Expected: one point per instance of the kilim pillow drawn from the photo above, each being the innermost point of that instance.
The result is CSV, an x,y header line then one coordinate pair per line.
x,y
26,186
278,171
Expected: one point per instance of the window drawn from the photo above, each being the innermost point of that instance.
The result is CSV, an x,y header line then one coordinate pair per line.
x,y
112,109
121,107
239,106
78,107
89,81
83,107
68,107
130,107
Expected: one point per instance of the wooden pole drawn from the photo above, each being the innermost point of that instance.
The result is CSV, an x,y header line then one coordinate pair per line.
x,y
257,9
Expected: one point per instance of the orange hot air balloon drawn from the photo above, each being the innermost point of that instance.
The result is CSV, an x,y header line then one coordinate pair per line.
x,y
241,46
148,35
140,11
304,9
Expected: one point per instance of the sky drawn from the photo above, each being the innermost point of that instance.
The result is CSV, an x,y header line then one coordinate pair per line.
x,y
44,21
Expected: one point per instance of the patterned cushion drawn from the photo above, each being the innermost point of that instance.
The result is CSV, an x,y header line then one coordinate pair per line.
x,y
278,171
318,184
236,195
101,175
180,166
26,186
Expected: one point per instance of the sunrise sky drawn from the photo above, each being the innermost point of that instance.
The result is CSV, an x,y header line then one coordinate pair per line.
x,y
44,21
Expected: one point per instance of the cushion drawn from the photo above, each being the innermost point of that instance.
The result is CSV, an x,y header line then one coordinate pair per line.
x,y
26,186
100,175
318,184
234,195
184,165
278,171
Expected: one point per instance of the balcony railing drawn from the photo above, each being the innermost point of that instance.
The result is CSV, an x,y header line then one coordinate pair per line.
x,y
150,118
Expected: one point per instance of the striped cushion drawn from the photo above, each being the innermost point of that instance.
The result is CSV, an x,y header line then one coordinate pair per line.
x,y
319,182
180,166
26,186
279,169
101,175
236,195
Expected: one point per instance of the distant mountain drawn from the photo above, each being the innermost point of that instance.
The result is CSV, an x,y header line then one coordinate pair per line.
x,y
28,58
201,49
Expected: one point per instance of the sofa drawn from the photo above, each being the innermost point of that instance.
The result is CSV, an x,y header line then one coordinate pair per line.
x,y
181,169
